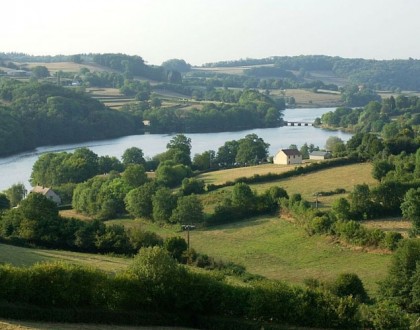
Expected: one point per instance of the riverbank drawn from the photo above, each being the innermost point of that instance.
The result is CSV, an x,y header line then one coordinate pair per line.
x,y
18,168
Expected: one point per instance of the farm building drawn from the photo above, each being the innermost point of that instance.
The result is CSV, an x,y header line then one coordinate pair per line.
x,y
288,157
320,155
19,73
47,192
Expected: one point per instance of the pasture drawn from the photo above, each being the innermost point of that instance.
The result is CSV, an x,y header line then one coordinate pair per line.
x,y
223,176
19,256
308,185
54,67
345,177
306,98
278,249
390,224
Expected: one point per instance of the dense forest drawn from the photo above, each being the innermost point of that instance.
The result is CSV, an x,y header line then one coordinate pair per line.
x,y
35,114
249,109
381,74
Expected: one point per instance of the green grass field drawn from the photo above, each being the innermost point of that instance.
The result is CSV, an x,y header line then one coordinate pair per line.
x,y
223,176
278,249
20,256
308,185
308,99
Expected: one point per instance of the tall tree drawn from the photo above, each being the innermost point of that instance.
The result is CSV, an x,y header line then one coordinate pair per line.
x,y
40,71
180,148
205,160
361,204
134,175
139,201
163,202
133,155
252,149
411,207
226,154
189,210
16,193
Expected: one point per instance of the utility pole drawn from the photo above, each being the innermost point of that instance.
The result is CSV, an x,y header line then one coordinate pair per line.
x,y
188,228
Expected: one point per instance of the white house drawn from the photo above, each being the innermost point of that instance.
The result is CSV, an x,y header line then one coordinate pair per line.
x,y
47,192
288,157
320,155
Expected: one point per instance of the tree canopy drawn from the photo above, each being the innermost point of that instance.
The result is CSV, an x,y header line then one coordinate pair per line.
x,y
44,114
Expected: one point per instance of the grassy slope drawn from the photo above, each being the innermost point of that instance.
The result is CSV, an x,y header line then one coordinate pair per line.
x,y
278,249
308,99
222,176
28,325
345,177
19,256
268,245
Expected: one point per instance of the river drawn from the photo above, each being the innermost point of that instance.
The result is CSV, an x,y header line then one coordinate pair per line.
x,y
17,168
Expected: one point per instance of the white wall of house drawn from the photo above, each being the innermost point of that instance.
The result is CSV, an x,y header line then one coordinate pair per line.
x,y
282,159
53,196
314,157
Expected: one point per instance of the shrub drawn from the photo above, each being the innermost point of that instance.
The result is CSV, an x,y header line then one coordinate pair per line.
x,y
176,246
192,186
320,225
349,284
386,315
139,239
391,240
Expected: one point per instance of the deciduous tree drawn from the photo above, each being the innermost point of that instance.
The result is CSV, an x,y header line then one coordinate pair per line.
x,y
411,207
164,202
189,210
16,193
133,155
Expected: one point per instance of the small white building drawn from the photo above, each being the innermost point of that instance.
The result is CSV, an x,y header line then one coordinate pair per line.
x,y
47,192
320,155
288,157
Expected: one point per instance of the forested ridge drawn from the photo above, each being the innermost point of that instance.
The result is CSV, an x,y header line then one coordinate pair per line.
x,y
35,114
383,74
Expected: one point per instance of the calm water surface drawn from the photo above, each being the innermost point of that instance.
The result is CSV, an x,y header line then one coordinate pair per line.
x,y
18,168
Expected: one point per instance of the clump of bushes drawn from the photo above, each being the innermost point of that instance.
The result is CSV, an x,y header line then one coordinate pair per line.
x,y
155,283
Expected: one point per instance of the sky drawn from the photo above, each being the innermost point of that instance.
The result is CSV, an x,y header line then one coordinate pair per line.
x,y
203,31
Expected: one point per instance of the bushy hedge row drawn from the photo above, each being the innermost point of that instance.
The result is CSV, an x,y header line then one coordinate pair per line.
x,y
148,297
37,222
244,203
298,170
353,232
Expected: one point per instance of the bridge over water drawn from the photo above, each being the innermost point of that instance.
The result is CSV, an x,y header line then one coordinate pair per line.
x,y
298,123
